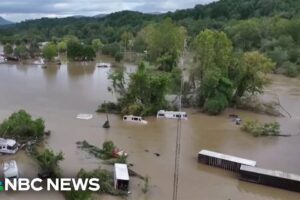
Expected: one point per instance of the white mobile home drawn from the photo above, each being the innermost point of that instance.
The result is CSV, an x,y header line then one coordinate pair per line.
x,y
8,146
171,114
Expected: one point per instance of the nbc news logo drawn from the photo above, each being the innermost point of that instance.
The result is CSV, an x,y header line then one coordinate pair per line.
x,y
1,186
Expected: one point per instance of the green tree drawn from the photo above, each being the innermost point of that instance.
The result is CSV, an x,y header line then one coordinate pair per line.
x,y
8,49
213,55
126,39
165,44
21,52
246,35
97,45
20,125
88,53
74,50
49,51
62,46
253,69
34,49
145,93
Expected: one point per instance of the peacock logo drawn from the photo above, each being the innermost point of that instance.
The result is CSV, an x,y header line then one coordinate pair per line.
x,y
1,186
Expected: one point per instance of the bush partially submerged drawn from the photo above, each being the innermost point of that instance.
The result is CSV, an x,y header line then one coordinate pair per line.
x,y
21,126
261,129
105,180
109,107
48,161
78,195
106,153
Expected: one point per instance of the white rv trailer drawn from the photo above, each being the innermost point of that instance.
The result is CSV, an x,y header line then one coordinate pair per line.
x,y
10,169
121,177
8,146
136,119
172,114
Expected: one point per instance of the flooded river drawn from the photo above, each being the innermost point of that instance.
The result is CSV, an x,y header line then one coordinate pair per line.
x,y
58,94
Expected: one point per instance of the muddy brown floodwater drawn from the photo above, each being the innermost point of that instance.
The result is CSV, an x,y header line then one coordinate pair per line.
x,y
59,94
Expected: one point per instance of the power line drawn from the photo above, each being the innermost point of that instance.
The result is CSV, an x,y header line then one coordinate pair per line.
x,y
178,146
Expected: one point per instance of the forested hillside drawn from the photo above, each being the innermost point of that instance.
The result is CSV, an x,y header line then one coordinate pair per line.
x,y
270,26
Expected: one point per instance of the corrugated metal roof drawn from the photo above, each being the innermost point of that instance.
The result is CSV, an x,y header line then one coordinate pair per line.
x,y
228,157
121,172
273,173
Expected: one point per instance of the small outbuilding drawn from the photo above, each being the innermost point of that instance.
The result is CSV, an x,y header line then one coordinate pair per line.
x,y
121,177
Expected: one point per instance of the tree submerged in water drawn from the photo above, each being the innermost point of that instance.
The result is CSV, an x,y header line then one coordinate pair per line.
x,y
145,93
21,126
223,76
48,162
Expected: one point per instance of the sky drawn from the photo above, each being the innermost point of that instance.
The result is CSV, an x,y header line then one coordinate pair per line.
x,y
19,10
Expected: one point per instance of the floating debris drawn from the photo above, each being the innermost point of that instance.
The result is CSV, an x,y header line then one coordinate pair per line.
x,y
84,116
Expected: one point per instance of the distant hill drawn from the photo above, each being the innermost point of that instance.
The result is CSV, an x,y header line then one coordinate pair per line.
x,y
110,27
100,15
4,21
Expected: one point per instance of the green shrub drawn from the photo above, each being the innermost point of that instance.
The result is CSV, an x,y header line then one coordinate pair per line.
x,y
259,129
48,161
119,56
291,70
109,107
78,195
216,105
21,126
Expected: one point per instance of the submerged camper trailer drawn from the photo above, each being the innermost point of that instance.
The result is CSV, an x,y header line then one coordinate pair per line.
x,y
8,146
171,114
228,162
104,65
10,169
137,119
121,177
272,178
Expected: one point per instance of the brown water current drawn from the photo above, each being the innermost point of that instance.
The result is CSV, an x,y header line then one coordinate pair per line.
x,y
58,94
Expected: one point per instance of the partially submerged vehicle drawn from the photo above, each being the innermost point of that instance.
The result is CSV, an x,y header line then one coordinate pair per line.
x,y
8,146
171,114
121,177
104,65
10,169
137,119
84,116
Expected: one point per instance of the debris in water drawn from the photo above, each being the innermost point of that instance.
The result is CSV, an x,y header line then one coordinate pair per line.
x,y
106,125
84,116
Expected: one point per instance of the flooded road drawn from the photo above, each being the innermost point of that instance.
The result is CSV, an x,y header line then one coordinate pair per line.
x,y
59,94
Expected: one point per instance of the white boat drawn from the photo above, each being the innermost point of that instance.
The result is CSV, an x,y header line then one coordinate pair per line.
x,y
10,169
8,146
104,65
137,119
172,114
84,116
